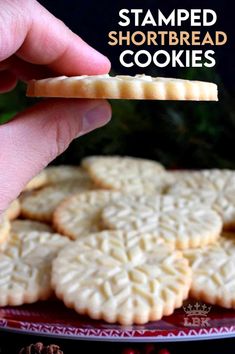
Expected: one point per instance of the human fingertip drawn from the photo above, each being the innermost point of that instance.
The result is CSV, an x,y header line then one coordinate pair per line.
x,y
105,65
97,64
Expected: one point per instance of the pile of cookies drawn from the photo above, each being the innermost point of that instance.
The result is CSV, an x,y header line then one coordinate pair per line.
x,y
121,239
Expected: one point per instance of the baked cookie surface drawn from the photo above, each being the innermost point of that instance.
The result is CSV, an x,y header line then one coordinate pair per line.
x,y
13,211
29,225
121,277
180,222
25,267
213,269
123,87
37,181
61,173
127,174
213,180
213,188
40,205
80,215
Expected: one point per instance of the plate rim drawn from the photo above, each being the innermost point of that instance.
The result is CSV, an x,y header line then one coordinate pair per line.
x,y
209,333
160,339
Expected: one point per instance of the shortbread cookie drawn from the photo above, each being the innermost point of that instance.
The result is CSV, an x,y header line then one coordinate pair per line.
x,y
180,222
25,267
221,201
63,173
137,165
214,188
4,228
41,204
80,214
13,211
127,174
214,180
214,272
121,277
36,182
29,225
123,87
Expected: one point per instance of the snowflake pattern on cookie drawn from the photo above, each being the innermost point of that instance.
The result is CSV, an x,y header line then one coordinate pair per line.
x,y
121,277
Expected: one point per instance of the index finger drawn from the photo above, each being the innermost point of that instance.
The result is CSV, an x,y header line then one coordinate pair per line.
x,y
40,38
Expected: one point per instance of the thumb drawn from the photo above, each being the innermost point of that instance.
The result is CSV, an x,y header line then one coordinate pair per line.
x,y
36,136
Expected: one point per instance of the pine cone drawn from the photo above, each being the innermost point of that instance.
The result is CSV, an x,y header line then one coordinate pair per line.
x,y
52,349
39,348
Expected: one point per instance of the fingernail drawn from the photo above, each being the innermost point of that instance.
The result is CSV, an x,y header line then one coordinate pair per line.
x,y
95,118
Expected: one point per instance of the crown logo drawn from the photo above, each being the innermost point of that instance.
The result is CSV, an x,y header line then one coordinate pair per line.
x,y
197,309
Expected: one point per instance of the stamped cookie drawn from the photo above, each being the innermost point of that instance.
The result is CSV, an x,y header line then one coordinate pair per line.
x,y
223,202
41,204
123,87
127,174
29,225
37,181
213,180
13,211
213,188
61,173
180,222
213,270
121,277
79,215
25,264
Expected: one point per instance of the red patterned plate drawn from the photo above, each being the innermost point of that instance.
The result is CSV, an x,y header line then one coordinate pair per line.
x,y
195,321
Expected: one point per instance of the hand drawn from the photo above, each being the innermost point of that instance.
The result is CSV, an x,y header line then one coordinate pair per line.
x,y
35,44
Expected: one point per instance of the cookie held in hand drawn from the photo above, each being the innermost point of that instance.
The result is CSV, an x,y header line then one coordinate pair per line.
x,y
139,87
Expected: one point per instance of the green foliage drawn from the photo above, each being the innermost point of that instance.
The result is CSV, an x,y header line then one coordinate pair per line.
x,y
13,102
179,134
